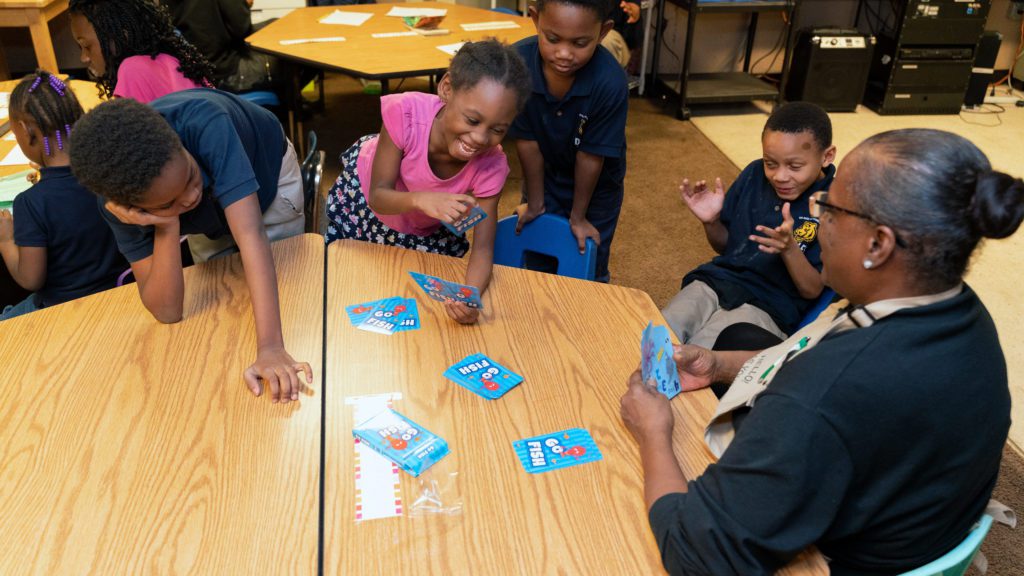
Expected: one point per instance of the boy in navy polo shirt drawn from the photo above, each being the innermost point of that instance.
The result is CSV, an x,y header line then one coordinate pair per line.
x,y
209,164
57,245
571,136
768,270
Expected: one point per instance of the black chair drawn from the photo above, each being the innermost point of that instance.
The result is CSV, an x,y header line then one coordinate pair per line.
x,y
312,173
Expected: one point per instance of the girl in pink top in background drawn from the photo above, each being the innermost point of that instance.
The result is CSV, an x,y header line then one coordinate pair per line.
x,y
436,157
133,51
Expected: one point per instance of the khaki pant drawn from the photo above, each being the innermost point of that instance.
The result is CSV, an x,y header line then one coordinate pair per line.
x,y
616,44
695,317
284,217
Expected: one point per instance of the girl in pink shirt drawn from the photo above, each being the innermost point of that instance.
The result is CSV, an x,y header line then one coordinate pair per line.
x,y
436,157
133,51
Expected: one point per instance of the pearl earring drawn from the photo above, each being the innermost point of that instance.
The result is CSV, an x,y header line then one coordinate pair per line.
x,y
868,264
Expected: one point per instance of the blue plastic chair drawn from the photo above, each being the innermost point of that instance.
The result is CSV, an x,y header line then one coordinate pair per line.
x,y
548,235
956,561
504,10
261,98
823,301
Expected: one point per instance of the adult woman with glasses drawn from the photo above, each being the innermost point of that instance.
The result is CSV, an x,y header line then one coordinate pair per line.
x,y
874,434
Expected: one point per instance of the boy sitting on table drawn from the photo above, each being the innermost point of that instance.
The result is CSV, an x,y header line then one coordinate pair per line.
x,y
768,269
209,164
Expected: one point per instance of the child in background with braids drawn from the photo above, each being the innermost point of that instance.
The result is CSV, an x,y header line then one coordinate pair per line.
x,y
437,156
133,51
58,246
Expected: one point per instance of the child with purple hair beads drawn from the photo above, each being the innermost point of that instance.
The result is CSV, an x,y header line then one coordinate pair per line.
x,y
58,246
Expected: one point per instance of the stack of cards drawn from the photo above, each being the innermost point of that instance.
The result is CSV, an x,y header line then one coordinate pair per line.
x,y
484,376
559,450
656,361
472,219
402,441
385,316
443,290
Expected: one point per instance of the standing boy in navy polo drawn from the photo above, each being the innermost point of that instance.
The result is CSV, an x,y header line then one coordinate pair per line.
x,y
571,137
768,269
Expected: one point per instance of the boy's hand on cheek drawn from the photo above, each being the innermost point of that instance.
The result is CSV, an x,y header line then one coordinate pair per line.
x,y
778,240
583,229
138,216
276,368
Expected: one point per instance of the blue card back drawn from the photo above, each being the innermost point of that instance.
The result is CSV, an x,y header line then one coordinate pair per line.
x,y
656,361
558,450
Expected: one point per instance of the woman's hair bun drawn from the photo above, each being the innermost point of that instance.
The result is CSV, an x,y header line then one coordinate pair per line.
x,y
997,208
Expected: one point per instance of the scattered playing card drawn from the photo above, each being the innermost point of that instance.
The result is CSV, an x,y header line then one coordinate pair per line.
x,y
656,361
484,376
385,316
476,214
558,450
443,290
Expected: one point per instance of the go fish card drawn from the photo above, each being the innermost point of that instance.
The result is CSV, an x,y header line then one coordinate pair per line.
x,y
656,361
443,290
480,374
558,450
385,316
476,214
402,441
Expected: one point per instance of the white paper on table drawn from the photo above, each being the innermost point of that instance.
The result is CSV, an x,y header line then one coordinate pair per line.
x,y
378,490
346,18
15,158
403,12
451,49
496,25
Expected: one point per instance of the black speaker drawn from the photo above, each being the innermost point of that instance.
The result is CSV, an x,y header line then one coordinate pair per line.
x,y
830,68
983,72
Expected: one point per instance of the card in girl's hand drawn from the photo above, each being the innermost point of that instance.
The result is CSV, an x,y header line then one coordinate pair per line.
x,y
443,290
472,219
484,376
559,450
656,360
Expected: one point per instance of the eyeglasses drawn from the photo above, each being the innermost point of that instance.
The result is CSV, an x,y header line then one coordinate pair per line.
x,y
818,204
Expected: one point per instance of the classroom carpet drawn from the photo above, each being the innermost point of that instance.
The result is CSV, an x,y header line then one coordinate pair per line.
x,y
657,240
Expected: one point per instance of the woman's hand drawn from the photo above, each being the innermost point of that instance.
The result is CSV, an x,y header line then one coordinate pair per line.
x,y
645,411
697,366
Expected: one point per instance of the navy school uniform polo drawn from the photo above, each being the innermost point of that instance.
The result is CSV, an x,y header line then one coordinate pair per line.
x,y
742,273
59,214
238,146
592,118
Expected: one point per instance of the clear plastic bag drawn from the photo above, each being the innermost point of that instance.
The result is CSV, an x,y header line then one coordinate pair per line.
x,y
438,492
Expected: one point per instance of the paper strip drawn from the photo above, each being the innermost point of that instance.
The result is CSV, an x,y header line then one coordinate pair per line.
x,y
378,490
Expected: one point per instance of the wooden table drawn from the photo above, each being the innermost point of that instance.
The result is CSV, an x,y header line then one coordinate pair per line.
x,y
132,447
36,14
363,56
576,343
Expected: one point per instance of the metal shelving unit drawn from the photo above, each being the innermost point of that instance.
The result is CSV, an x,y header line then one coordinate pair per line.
x,y
719,87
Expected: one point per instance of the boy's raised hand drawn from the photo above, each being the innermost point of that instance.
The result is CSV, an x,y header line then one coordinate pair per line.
x,y
6,226
276,368
632,11
777,240
705,203
138,216
448,208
